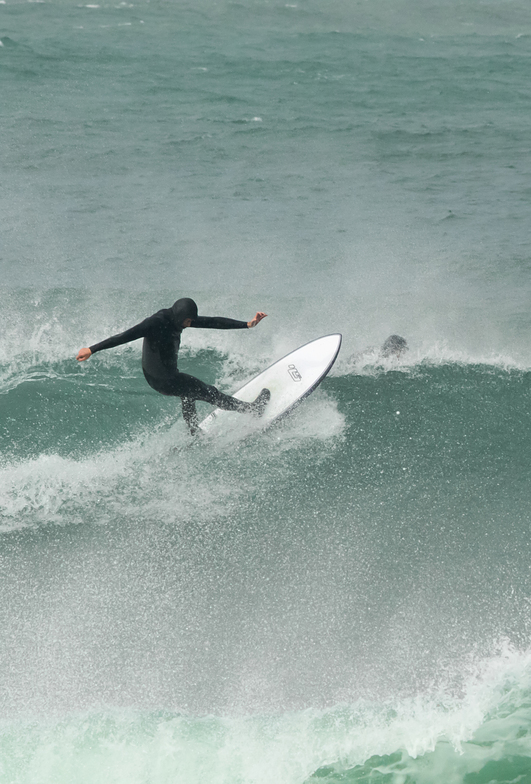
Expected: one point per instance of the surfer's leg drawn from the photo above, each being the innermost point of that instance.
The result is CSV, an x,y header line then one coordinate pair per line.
x,y
210,394
190,414
190,389
177,386
194,389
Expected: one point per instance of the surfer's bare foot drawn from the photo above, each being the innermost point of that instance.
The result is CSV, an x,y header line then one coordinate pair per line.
x,y
261,402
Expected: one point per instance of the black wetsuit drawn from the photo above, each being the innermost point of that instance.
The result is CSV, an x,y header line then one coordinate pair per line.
x,y
162,337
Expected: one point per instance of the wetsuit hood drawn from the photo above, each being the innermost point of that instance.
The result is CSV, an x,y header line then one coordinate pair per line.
x,y
394,346
183,309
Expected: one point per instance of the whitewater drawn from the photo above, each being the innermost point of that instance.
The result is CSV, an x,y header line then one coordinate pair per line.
x,y
345,597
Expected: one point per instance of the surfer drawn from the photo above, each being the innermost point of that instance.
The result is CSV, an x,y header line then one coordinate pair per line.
x,y
394,346
162,337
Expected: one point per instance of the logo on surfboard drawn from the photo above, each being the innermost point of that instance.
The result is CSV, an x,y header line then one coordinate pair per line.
x,y
294,373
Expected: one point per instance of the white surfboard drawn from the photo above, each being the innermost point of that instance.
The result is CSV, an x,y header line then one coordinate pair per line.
x,y
289,380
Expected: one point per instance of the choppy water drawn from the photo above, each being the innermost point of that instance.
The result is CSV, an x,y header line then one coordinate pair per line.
x,y
345,598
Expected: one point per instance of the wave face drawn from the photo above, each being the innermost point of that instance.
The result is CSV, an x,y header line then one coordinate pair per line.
x,y
344,597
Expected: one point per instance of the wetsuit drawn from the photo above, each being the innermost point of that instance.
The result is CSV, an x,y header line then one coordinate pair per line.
x,y
162,337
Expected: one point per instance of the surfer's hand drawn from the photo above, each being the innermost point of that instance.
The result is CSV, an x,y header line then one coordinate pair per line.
x,y
257,319
83,354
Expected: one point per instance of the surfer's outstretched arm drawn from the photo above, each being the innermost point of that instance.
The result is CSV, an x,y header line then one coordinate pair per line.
x,y
220,322
136,332
257,319
83,354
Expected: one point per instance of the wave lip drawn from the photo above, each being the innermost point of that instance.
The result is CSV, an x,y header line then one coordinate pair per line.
x,y
484,736
481,736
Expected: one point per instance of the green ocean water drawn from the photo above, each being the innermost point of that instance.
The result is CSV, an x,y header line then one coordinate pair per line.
x,y
346,596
